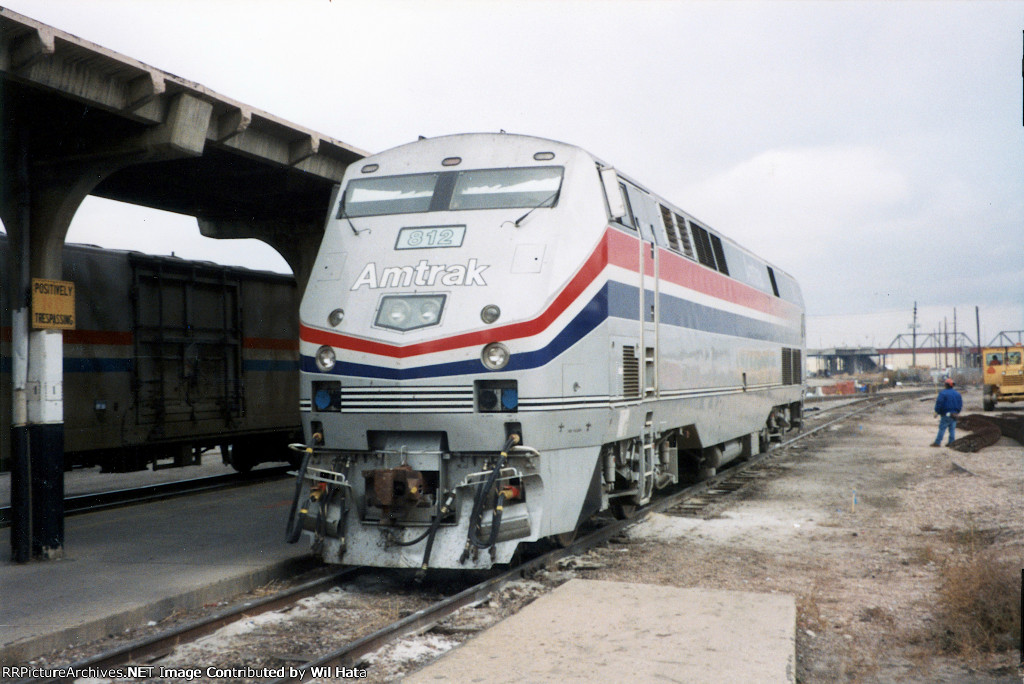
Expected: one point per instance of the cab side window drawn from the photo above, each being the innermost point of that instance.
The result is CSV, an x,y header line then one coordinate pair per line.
x,y
645,214
628,219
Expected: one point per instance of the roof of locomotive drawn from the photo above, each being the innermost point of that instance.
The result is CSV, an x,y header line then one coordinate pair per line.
x,y
547,144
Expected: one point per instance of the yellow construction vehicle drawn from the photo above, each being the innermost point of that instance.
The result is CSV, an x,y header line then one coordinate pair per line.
x,y
1003,375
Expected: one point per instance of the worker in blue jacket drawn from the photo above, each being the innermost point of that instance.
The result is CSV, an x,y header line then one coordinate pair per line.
x,y
947,408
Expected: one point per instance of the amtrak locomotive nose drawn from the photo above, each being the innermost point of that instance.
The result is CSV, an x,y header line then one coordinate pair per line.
x,y
502,335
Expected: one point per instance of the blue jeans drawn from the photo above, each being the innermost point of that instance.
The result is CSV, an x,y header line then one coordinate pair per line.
x,y
946,422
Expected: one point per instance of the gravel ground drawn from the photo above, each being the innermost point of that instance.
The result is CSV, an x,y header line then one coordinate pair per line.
x,y
857,522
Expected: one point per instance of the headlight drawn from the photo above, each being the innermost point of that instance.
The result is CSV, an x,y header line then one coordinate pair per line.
x,y
325,359
408,312
336,317
396,314
495,356
430,312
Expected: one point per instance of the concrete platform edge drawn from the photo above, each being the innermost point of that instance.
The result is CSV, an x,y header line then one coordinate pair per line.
x,y
19,653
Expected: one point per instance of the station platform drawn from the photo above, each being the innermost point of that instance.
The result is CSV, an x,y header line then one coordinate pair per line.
x,y
599,631
126,566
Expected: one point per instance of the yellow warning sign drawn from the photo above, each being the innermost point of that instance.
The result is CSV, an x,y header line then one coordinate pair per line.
x,y
53,304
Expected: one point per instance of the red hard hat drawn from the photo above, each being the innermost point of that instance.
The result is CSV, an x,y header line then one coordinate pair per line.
x,y
949,382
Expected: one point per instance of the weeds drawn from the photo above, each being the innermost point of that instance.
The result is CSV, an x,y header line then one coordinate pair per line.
x,y
808,610
923,555
979,598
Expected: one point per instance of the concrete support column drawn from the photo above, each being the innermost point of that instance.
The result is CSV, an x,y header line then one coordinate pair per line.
x,y
37,203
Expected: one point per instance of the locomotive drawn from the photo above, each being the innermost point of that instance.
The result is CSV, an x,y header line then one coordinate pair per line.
x,y
503,335
170,358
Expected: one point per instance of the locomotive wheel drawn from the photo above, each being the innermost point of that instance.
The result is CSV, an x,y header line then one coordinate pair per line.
x,y
622,510
566,538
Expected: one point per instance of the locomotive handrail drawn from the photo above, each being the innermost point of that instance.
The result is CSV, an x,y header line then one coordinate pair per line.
x,y
479,477
321,475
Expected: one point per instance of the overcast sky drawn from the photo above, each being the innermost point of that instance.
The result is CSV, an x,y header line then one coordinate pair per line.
x,y
875,150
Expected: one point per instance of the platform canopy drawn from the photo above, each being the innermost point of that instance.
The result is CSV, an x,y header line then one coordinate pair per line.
x,y
178,145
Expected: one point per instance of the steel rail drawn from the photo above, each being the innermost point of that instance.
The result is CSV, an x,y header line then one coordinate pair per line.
x,y
98,501
157,645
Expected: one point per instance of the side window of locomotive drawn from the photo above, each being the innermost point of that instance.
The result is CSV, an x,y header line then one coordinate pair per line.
x,y
626,220
645,214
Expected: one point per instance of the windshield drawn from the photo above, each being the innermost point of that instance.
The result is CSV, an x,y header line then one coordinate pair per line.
x,y
522,188
390,195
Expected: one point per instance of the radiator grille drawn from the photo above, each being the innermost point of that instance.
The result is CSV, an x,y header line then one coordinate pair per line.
x,y
630,373
670,229
406,399
792,366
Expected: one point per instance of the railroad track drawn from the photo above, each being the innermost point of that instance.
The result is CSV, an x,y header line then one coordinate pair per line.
x,y
689,500
88,503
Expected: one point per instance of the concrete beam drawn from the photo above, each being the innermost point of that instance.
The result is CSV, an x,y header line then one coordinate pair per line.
x,y
52,60
144,89
297,243
184,129
32,47
302,149
231,123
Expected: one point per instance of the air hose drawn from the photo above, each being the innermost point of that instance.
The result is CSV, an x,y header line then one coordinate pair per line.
x,y
432,532
294,528
445,507
482,491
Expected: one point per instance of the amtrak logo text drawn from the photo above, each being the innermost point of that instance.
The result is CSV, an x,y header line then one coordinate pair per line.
x,y
422,274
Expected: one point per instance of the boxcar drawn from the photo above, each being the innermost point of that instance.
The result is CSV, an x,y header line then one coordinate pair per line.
x,y
170,358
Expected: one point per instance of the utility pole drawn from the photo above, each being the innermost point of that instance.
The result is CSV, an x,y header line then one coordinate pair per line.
x,y
945,341
913,343
977,324
956,343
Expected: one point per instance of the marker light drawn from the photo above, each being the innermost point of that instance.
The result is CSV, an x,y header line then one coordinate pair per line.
x,y
490,313
322,400
509,399
495,356
325,358
335,317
